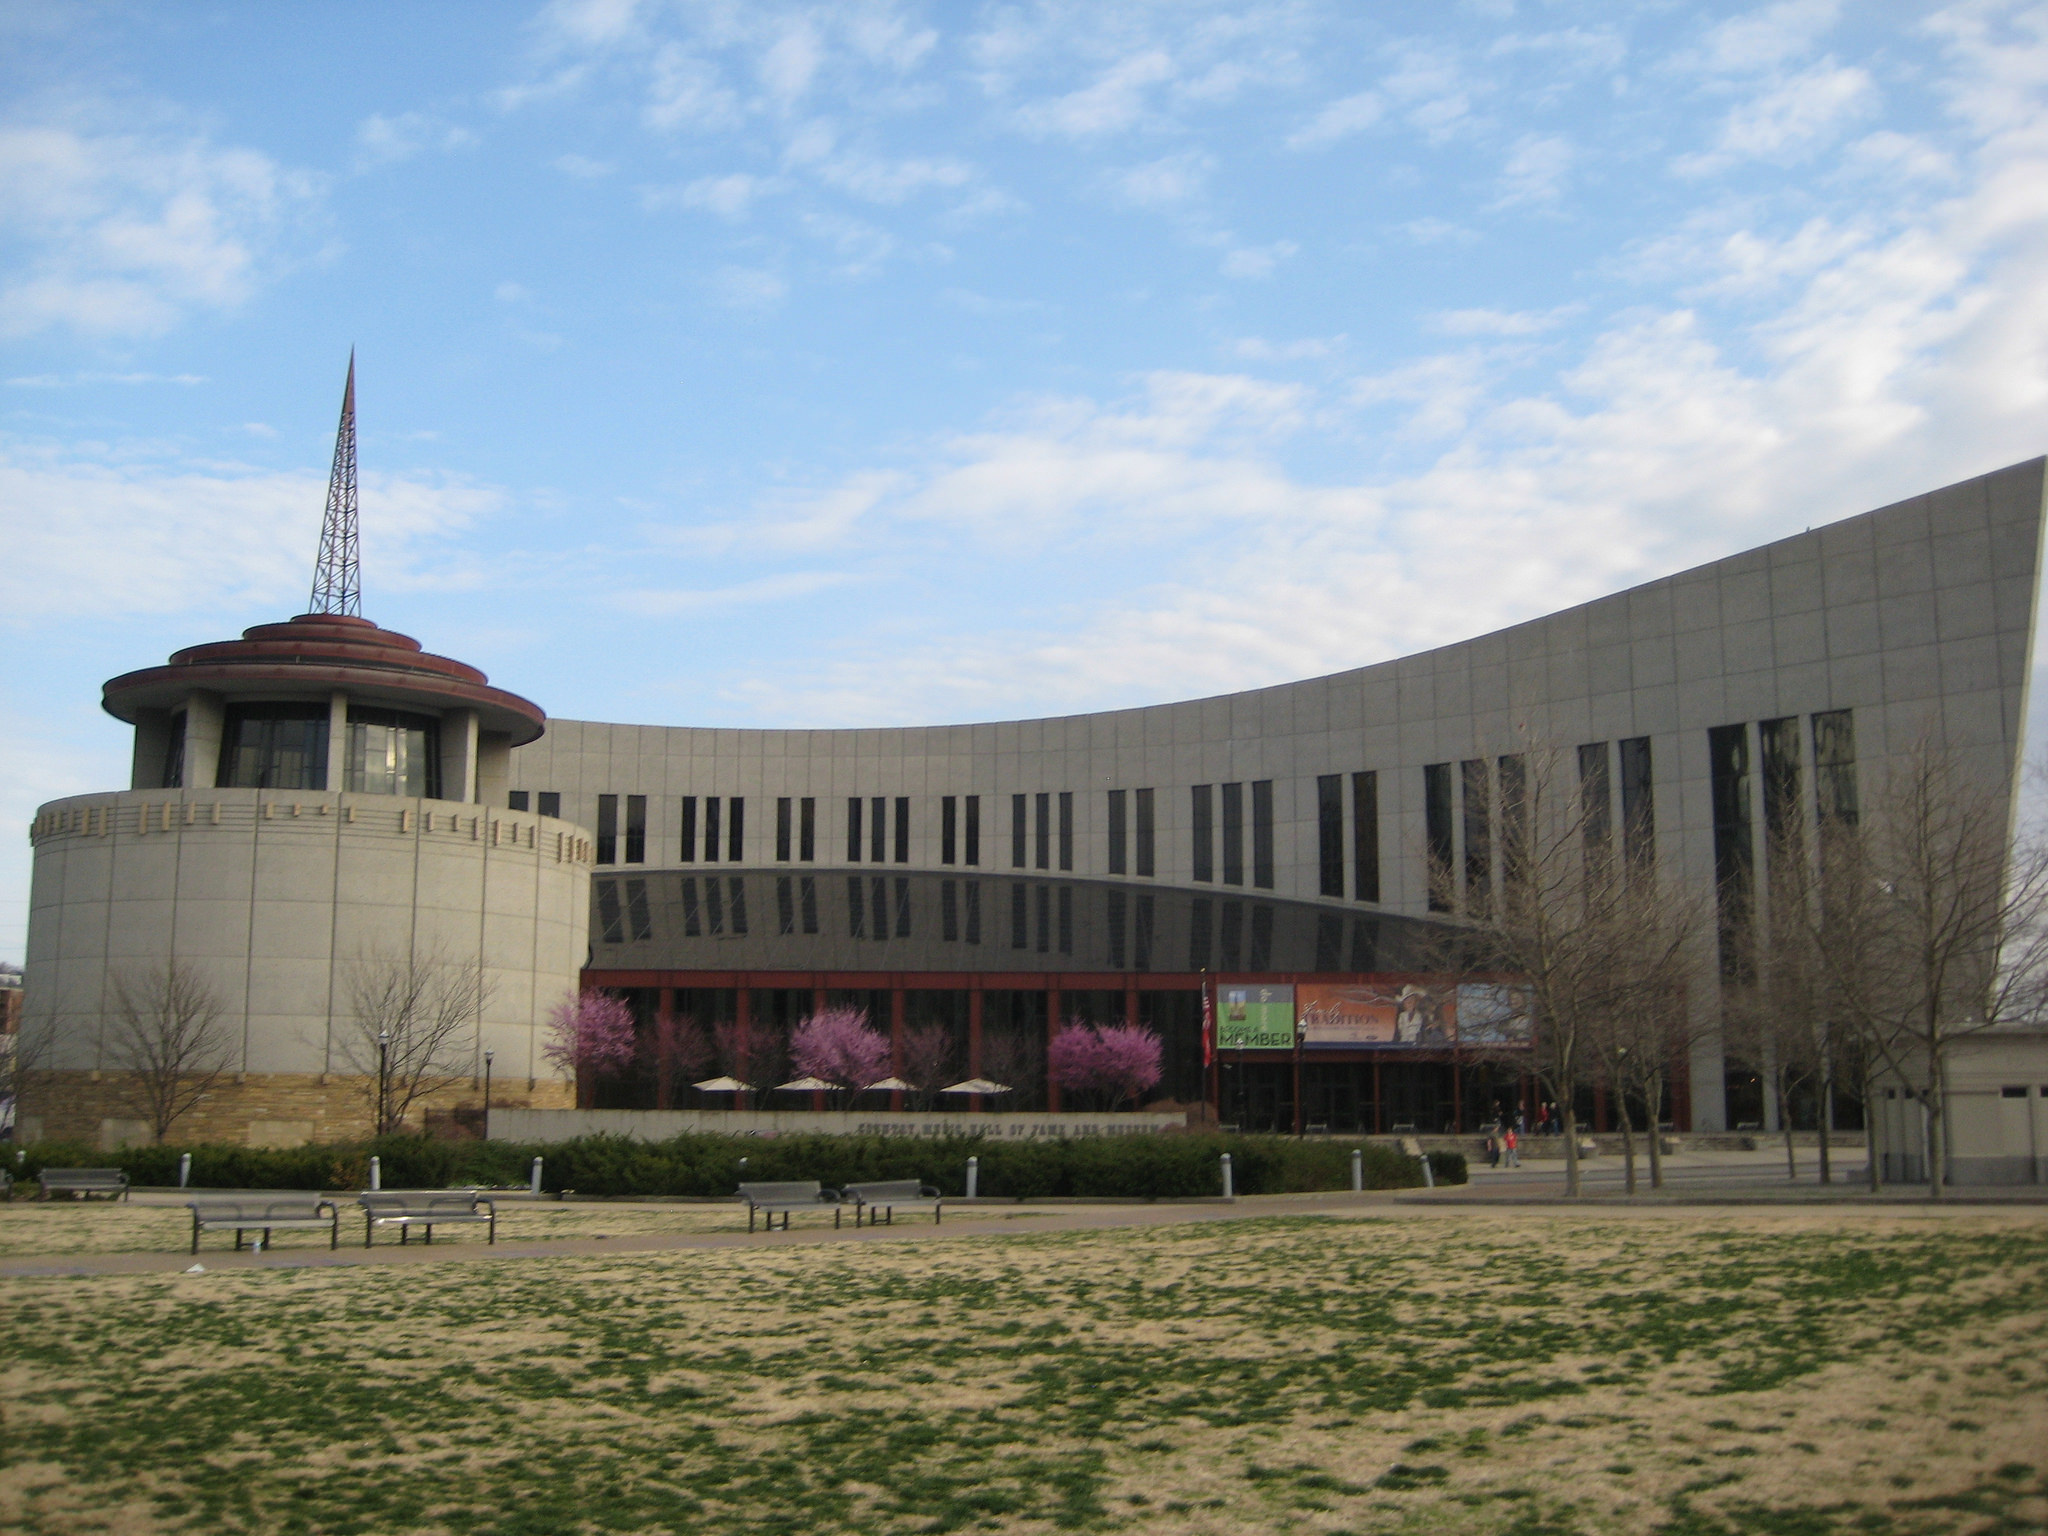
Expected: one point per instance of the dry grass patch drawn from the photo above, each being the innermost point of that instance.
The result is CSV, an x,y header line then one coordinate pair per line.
x,y
1497,1373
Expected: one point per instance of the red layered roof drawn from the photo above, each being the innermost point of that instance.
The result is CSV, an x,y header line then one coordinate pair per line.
x,y
310,657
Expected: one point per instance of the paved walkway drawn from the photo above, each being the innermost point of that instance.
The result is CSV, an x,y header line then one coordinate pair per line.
x,y
1697,1184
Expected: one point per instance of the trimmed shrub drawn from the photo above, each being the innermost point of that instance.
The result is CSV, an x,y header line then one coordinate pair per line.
x,y
1157,1167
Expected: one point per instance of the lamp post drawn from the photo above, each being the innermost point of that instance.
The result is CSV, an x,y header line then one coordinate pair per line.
x,y
487,1090
383,1077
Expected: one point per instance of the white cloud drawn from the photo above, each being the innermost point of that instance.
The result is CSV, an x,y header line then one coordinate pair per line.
x,y
1789,120
791,62
1258,261
1768,37
1498,322
747,288
382,140
1257,349
877,180
583,167
730,197
763,592
1536,169
1115,101
511,293
1165,182
686,91
1339,120
115,534
123,234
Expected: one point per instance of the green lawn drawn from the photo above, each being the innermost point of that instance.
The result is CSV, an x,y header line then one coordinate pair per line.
x,y
1512,1373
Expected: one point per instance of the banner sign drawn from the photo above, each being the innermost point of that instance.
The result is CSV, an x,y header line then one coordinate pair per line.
x,y
1255,1018
1414,1015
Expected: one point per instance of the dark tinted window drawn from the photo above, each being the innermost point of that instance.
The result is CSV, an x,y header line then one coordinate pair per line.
x,y
274,746
392,753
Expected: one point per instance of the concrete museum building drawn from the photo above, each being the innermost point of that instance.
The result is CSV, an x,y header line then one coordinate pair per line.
x,y
322,793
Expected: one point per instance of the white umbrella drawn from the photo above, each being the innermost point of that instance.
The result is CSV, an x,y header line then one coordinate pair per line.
x,y
977,1085
890,1082
806,1085
724,1085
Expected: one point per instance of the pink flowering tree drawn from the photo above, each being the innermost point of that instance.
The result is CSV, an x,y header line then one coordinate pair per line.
x,y
1112,1062
676,1049
589,1037
926,1062
836,1045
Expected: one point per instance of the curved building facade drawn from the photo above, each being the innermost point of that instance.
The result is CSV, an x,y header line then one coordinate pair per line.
x,y
1108,863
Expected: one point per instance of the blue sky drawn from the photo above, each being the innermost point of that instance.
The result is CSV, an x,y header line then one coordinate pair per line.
x,y
872,363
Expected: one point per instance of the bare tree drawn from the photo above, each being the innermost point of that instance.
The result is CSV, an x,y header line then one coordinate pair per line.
x,y
1603,947
413,1023
1933,924
168,1042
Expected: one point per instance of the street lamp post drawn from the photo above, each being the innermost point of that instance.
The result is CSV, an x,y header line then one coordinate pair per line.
x,y
487,1090
383,1078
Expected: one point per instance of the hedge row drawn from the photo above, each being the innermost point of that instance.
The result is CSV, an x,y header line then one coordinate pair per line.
x,y
1137,1166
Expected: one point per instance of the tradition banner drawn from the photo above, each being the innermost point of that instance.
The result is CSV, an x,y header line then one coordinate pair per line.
x,y
1389,1015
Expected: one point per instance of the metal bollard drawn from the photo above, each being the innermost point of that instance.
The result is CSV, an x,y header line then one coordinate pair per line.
x,y
1229,1193
376,1173
1357,1170
973,1177
1428,1173
533,1177
184,1169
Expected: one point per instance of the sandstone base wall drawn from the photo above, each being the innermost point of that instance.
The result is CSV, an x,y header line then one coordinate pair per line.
x,y
255,1109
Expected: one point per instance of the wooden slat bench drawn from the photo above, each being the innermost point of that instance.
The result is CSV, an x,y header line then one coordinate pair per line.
x,y
428,1208
891,1195
83,1183
265,1214
788,1196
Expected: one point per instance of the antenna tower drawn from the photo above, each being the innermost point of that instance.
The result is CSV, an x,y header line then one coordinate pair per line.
x,y
338,577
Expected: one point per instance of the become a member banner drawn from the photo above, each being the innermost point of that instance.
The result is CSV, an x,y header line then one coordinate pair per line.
x,y
1255,1018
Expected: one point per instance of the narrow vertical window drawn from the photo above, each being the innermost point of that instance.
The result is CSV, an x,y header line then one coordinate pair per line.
x,y
973,911
902,829
608,912
1437,833
688,821
636,829
1141,935
783,830
736,890
807,901
714,906
973,830
1262,834
1041,807
807,829
1734,850
1144,849
173,776
1114,905
1784,808
551,802
1116,832
1330,837
1233,834
1515,869
1201,821
1329,940
693,915
1365,835
949,912
1044,919
1231,939
785,906
736,830
1020,923
515,800
1201,931
856,907
1834,767
1066,909
1596,808
1638,805
853,830
1262,937
1066,829
878,829
711,829
902,908
1477,785
1017,832
949,810
607,829
881,907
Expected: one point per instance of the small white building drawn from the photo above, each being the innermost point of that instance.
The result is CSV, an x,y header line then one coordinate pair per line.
x,y
1996,1113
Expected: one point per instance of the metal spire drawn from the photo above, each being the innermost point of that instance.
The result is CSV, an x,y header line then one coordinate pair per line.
x,y
338,577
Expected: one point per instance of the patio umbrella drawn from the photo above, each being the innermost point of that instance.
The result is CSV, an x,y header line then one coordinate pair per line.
x,y
806,1085
724,1085
977,1085
890,1082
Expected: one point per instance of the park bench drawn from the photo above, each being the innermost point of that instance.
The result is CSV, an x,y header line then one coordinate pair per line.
x,y
265,1214
873,1199
428,1208
788,1196
82,1183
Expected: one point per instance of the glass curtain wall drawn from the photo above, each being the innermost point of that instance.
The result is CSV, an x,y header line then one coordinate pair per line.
x,y
393,753
274,746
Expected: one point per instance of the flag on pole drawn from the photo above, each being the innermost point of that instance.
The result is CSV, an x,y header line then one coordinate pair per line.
x,y
1208,1029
